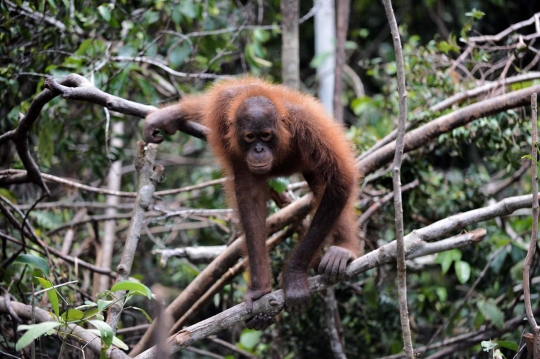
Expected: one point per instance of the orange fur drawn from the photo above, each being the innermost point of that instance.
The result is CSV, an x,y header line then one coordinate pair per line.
x,y
307,140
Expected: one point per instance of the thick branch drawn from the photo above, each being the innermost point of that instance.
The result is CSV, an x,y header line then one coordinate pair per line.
x,y
415,246
273,303
419,137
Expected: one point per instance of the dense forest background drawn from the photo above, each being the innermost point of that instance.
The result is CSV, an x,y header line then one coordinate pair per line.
x,y
68,182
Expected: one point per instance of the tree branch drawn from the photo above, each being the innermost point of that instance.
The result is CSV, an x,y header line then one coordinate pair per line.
x,y
534,233
148,177
396,179
428,132
290,214
273,303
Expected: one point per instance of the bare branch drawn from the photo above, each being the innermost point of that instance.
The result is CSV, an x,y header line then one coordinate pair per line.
x,y
478,90
534,233
330,313
203,254
166,68
512,28
147,185
82,187
396,177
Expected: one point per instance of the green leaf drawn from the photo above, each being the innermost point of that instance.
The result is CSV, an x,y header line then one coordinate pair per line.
x,y
115,341
445,259
105,12
261,35
90,313
34,332
120,344
149,318
463,271
508,345
319,59
83,46
187,8
33,261
250,338
87,305
351,45
178,55
491,312
176,15
136,287
105,330
278,184
441,293
52,4
73,315
47,220
530,158
102,304
51,293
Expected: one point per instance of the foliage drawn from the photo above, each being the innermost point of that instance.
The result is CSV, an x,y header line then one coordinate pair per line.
x,y
154,52
91,312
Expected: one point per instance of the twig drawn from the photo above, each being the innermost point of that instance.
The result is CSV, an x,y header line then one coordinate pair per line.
x,y
167,68
202,254
72,260
478,90
506,32
147,184
534,233
396,176
26,11
493,188
82,187
471,338
375,206
55,286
